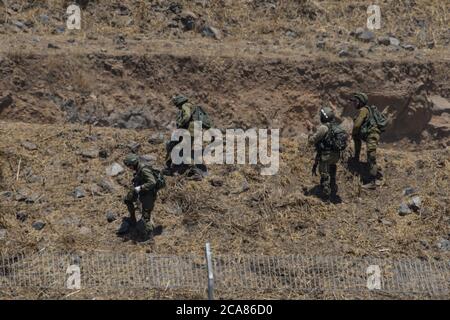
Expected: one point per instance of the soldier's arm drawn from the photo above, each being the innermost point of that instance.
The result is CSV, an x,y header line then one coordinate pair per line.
x,y
149,180
318,135
363,113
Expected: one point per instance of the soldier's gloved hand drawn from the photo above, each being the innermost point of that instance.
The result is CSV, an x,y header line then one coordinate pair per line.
x,y
138,189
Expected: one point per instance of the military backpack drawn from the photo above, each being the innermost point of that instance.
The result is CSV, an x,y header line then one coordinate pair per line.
x,y
160,180
199,114
375,119
335,139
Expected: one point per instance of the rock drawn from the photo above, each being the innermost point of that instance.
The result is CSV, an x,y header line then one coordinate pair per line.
x,y
404,210
21,216
156,138
394,41
110,216
291,34
52,46
386,222
439,105
6,195
85,231
148,158
95,189
384,41
134,146
108,185
103,154
366,36
430,44
79,193
38,225
408,191
6,102
176,8
188,20
216,182
444,245
3,234
344,53
19,24
211,32
90,153
29,145
415,203
59,30
114,170
409,47
44,18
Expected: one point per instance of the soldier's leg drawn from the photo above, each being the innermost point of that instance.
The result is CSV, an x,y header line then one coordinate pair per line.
x,y
357,142
148,203
129,200
372,144
325,177
333,184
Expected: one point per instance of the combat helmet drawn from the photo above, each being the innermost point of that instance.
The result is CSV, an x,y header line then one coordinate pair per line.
x,y
326,114
361,97
131,160
179,99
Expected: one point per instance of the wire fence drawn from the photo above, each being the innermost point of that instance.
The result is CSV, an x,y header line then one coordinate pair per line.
x,y
113,271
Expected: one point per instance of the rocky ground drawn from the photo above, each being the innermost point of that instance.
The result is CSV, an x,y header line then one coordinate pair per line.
x,y
73,103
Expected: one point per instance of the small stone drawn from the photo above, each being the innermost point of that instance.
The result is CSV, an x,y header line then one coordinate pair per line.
x,y
114,170
29,145
6,195
52,46
19,24
211,32
216,182
409,47
134,146
366,36
415,203
343,53
38,225
148,158
21,216
79,193
44,18
85,231
320,44
444,245
103,154
386,222
394,41
404,209
107,185
90,153
384,41
110,216
156,138
408,191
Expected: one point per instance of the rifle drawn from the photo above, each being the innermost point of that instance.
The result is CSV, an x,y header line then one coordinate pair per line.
x,y
316,163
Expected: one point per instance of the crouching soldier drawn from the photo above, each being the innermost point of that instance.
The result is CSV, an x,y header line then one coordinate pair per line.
x,y
146,183
329,140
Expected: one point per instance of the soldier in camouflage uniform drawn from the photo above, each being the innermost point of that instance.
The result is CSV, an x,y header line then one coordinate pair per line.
x,y
144,189
183,121
372,139
327,159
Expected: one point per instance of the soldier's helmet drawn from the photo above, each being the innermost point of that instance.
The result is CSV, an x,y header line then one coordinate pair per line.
x,y
361,97
131,160
179,99
326,114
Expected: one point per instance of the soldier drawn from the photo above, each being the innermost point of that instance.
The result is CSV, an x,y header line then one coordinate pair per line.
x,y
146,183
368,131
329,139
186,116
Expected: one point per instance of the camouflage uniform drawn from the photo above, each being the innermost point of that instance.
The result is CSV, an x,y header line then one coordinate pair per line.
x,y
372,140
327,162
145,179
183,121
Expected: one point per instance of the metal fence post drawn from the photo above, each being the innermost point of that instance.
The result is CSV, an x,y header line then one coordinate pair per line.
x,y
209,268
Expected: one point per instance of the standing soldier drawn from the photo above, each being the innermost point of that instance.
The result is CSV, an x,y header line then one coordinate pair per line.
x,y
146,183
368,125
330,140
